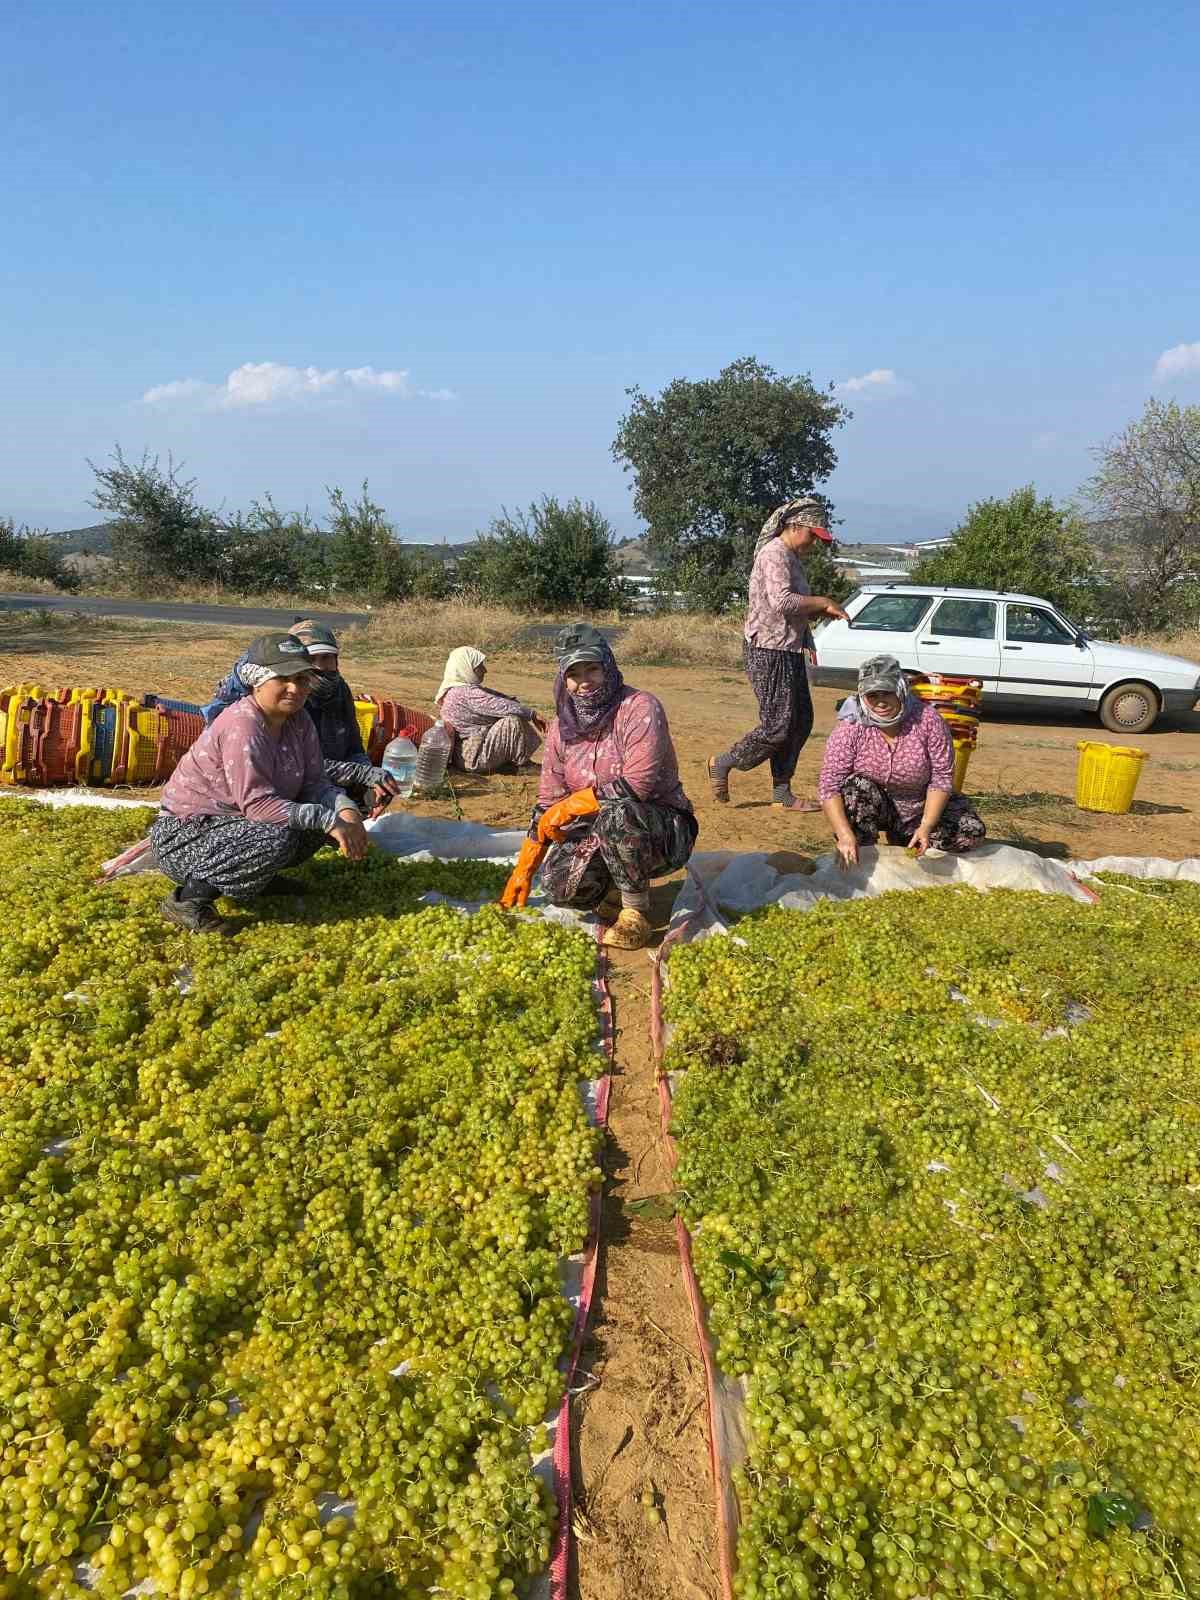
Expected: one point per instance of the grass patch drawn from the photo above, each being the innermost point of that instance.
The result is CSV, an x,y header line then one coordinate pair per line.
x,y
1033,800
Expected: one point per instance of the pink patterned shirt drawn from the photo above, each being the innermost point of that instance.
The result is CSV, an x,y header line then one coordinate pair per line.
x,y
636,745
238,768
919,759
471,709
778,589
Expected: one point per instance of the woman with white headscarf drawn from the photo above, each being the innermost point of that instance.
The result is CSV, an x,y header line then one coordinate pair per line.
x,y
493,730
889,768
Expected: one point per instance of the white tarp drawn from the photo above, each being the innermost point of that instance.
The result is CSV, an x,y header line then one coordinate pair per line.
x,y
1141,867
438,839
733,884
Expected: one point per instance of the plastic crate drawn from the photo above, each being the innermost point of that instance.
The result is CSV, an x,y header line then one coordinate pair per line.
x,y
962,760
145,739
1106,776
104,743
52,742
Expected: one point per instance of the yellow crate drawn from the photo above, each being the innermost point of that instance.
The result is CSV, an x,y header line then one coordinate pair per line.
x,y
365,714
1106,776
962,760
143,730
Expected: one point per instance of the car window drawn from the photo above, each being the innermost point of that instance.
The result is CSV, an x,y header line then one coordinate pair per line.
x,y
965,619
892,613
1032,625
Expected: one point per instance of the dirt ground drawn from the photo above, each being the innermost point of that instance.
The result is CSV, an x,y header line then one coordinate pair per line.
x,y
640,1412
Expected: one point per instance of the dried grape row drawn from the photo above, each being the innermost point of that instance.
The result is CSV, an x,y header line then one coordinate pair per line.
x,y
941,1155
281,1218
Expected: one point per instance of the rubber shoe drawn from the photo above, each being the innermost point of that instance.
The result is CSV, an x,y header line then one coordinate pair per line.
x,y
631,931
609,908
194,916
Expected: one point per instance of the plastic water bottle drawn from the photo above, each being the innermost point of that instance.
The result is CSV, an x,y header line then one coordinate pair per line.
x,y
400,764
434,758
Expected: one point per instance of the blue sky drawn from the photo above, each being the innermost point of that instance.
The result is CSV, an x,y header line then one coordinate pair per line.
x,y
432,245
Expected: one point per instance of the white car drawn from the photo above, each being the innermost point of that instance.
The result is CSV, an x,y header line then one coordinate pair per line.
x,y
1025,652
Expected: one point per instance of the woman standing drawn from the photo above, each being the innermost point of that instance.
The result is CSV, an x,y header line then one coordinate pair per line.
x,y
493,730
776,639
610,813
889,767
251,796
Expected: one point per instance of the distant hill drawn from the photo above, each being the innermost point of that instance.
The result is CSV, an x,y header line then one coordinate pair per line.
x,y
93,541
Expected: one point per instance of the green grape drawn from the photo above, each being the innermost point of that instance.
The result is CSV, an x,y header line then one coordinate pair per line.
x,y
940,1153
354,1145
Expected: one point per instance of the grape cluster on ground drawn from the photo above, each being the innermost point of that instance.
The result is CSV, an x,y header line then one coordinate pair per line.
x,y
281,1224
940,1153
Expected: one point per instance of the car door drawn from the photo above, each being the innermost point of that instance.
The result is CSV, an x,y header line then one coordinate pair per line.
x,y
886,625
1039,658
959,638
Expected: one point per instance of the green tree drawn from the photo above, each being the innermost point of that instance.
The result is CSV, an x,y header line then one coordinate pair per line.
x,y
712,459
552,558
268,550
1147,485
159,528
30,553
364,554
1021,543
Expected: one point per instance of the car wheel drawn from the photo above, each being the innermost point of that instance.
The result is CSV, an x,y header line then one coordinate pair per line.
x,y
1130,708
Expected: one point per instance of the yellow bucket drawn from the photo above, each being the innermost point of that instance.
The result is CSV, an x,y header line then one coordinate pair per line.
x,y
962,760
1106,776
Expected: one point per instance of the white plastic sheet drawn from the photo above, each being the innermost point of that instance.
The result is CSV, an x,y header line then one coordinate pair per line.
x,y
438,839
1142,867
732,885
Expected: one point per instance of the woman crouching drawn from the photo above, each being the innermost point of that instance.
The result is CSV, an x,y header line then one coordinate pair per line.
x,y
251,796
610,813
889,767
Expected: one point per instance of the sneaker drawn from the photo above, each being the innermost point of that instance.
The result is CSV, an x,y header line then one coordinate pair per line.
x,y
631,931
795,803
196,916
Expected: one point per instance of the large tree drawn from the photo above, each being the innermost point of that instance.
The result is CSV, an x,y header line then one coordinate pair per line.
x,y
1147,484
711,459
1020,543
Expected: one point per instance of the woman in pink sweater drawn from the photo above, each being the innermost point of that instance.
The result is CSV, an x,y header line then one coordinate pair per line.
x,y
889,767
610,805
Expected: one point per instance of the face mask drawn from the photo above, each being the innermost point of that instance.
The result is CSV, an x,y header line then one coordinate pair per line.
x,y
876,719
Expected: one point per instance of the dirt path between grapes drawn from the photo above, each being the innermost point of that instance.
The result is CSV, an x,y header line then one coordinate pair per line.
x,y
641,1424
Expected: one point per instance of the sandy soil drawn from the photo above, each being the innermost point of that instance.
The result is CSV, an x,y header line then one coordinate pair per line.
x,y
641,1421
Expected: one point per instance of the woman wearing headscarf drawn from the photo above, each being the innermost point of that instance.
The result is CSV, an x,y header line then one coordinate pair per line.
x,y
889,767
492,730
330,705
776,637
251,796
610,813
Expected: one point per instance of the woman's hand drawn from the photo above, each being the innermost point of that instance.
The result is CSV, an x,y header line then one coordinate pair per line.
x,y
830,608
847,849
920,841
539,723
350,835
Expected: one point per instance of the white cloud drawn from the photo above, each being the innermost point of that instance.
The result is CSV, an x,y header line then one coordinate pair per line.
x,y
272,383
180,389
1179,359
878,378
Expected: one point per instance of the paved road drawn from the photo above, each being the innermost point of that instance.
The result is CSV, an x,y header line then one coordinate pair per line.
x,y
153,611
